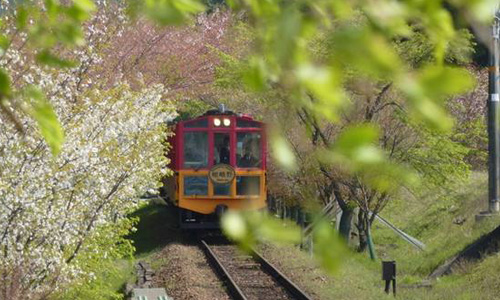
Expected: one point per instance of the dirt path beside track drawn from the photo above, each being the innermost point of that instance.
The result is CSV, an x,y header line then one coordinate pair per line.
x,y
185,274
178,262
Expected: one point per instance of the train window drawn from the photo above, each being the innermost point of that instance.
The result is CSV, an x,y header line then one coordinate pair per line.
x,y
247,124
222,149
195,185
195,149
248,185
203,123
222,189
248,148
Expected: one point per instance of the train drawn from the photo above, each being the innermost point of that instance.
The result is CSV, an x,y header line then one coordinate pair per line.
x,y
219,164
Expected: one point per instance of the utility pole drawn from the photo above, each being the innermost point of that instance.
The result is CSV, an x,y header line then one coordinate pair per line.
x,y
493,119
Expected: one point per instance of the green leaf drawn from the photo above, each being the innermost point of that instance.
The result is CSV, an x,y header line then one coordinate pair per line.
x,y
483,10
276,230
329,248
390,16
439,81
263,7
85,5
189,6
324,84
5,88
423,108
341,9
52,7
47,121
80,10
70,34
47,58
4,42
356,149
282,153
355,137
256,74
365,50
171,12
234,226
248,228
289,28
22,17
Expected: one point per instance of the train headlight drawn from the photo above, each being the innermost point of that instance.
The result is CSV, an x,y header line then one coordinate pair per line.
x,y
217,122
227,122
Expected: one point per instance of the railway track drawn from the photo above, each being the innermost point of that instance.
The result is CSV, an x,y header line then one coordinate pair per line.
x,y
249,276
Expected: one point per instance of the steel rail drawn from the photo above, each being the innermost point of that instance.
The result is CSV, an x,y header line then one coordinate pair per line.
x,y
267,267
232,287
293,289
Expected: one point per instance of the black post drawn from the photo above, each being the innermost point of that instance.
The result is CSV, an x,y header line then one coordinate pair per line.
x,y
387,286
493,119
389,275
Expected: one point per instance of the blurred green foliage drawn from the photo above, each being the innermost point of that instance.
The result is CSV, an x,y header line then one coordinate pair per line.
x,y
371,41
329,248
166,12
251,227
282,153
47,120
324,57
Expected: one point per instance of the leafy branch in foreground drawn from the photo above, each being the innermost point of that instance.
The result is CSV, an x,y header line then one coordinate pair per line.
x,y
369,82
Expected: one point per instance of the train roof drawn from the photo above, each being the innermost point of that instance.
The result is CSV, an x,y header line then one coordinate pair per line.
x,y
219,112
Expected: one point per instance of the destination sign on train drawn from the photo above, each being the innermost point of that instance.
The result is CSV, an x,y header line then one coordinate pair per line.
x,y
221,174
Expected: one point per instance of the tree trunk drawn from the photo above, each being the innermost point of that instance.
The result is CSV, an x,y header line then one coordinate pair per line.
x,y
362,231
345,223
365,238
371,247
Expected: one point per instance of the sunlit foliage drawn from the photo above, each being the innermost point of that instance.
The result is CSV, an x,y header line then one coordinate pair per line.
x,y
75,150
368,81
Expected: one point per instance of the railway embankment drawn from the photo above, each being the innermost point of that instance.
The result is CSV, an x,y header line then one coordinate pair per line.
x,y
174,256
443,221
486,245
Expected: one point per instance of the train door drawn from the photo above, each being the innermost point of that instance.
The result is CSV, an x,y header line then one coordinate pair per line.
x,y
223,153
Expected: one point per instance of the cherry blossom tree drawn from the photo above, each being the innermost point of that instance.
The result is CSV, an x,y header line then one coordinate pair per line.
x,y
184,58
54,209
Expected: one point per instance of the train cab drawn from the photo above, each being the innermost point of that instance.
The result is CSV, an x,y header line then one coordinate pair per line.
x,y
219,163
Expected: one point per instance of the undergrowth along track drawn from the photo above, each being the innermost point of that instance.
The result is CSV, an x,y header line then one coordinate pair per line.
x,y
249,276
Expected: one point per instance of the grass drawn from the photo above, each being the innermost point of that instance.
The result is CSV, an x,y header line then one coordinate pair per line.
x,y
445,221
154,222
125,272
357,278
150,237
432,218
154,232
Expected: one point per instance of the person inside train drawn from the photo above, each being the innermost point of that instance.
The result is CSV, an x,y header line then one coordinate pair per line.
x,y
248,159
224,152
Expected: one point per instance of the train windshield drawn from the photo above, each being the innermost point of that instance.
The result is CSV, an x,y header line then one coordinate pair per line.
x,y
195,149
249,150
222,148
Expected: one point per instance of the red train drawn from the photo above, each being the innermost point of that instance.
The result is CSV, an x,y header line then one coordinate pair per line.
x,y
219,163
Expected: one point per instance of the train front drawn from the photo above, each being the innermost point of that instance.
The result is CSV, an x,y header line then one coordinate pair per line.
x,y
219,161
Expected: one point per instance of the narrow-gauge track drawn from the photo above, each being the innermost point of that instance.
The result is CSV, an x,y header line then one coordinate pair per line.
x,y
250,276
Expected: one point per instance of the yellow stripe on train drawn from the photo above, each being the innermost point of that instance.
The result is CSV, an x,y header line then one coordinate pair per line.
x,y
246,191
